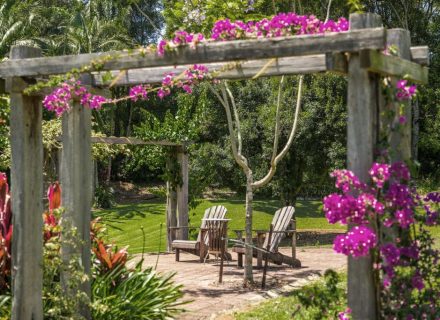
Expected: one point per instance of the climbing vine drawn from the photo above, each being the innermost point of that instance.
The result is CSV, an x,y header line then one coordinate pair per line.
x,y
69,88
389,219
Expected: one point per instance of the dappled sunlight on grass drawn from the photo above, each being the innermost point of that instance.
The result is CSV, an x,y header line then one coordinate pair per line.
x,y
124,221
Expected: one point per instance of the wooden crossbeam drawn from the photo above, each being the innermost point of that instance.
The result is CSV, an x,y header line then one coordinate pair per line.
x,y
378,62
236,70
133,141
420,55
351,41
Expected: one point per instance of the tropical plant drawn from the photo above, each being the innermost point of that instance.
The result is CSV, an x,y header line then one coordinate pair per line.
x,y
139,294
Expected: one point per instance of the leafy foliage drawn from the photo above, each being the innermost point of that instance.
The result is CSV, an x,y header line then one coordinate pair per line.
x,y
137,294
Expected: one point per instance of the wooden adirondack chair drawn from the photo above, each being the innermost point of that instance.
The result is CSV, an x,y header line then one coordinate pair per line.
x,y
199,247
282,219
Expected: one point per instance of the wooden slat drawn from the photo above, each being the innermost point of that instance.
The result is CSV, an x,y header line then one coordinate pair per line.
x,y
133,141
27,205
235,70
185,244
215,212
420,54
280,222
378,62
205,53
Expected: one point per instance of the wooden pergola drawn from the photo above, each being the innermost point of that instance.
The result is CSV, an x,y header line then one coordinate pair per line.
x,y
356,53
177,195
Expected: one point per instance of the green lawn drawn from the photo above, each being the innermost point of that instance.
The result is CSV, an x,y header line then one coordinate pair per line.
x,y
124,222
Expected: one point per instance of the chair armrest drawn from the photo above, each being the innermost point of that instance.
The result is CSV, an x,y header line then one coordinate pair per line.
x,y
183,227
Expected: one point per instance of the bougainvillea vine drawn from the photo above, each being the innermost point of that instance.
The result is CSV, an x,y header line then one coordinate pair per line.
x,y
283,24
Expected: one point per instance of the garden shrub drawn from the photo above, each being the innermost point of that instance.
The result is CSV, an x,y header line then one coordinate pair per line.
x,y
118,291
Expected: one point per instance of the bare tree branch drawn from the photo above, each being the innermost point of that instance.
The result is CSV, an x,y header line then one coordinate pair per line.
x,y
277,123
239,158
148,18
260,183
236,117
328,10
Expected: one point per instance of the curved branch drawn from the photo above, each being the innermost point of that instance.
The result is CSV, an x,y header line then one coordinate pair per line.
x,y
148,18
328,10
242,161
236,117
277,123
262,182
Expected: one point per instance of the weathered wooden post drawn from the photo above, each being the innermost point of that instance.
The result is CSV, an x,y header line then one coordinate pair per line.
x,y
171,207
182,193
76,181
27,193
362,100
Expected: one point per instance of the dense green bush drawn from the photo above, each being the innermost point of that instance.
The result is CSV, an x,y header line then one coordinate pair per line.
x,y
104,196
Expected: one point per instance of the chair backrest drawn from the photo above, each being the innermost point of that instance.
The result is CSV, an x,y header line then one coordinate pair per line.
x,y
216,212
280,222
217,230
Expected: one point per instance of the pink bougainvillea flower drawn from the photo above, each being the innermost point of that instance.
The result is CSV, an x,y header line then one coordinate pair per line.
x,y
356,243
138,92
380,173
405,92
391,254
346,315
400,171
346,179
417,281
399,196
404,217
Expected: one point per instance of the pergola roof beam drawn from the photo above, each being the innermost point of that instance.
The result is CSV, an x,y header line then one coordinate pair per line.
x,y
210,52
134,141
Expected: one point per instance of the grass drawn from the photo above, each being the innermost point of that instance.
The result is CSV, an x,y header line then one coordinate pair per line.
x,y
124,222
322,299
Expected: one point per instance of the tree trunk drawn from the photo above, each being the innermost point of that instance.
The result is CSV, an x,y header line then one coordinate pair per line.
x,y
248,277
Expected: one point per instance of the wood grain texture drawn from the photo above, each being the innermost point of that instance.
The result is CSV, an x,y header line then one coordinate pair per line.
x,y
76,182
133,141
400,140
420,54
363,90
205,53
171,207
27,206
182,194
378,62
235,70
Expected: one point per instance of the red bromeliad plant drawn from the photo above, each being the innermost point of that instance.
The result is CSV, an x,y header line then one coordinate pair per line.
x,y
108,257
5,233
51,217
